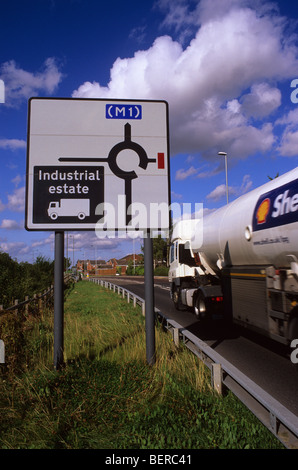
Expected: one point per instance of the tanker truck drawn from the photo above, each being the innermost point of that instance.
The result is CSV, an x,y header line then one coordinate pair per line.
x,y
241,261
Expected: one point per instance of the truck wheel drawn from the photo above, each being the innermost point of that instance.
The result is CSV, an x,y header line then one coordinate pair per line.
x,y
200,308
81,215
177,300
293,328
293,334
54,216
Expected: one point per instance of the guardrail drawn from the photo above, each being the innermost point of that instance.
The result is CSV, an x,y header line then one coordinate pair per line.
x,y
276,417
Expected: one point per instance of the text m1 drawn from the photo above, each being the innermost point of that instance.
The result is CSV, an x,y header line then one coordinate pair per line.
x,y
123,111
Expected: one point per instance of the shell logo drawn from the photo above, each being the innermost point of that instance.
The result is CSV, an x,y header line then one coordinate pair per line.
x,y
263,211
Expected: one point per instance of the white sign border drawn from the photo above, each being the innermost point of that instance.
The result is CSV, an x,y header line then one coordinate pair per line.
x,y
82,226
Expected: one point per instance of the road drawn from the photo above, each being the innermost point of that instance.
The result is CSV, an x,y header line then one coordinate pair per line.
x,y
265,362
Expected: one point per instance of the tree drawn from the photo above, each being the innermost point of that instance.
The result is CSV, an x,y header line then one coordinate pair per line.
x,y
159,250
67,263
20,279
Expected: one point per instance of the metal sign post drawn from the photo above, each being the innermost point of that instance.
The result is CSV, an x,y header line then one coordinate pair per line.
x,y
58,300
149,299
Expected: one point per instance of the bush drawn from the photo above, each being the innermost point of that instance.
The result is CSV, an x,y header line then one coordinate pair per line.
x,y
161,271
20,279
137,271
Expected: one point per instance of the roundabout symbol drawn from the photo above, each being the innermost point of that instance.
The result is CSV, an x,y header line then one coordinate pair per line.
x,y
127,176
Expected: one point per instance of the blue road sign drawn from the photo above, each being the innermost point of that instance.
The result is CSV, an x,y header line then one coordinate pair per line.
x,y
123,111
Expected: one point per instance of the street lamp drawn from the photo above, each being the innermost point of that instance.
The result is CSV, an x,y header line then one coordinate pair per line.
x,y
95,259
72,237
226,165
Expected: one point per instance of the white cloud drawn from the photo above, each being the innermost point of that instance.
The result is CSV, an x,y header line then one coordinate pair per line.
x,y
16,200
12,144
176,196
179,17
81,241
220,191
21,84
138,34
182,174
44,241
261,101
235,49
16,180
15,248
288,146
10,224
290,119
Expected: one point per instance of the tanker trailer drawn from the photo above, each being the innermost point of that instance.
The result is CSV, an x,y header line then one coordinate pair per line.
x,y
241,261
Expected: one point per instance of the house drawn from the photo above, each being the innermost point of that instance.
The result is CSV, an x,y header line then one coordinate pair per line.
x,y
109,268
90,265
138,259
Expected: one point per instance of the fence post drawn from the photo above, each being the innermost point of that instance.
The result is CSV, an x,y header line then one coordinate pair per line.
x,y
16,303
216,377
176,336
40,304
26,305
2,350
52,292
45,298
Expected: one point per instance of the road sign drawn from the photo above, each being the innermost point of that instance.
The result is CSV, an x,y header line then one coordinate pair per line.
x,y
95,163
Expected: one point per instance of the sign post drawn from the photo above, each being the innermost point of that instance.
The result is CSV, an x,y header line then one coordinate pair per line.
x,y
59,300
149,300
102,165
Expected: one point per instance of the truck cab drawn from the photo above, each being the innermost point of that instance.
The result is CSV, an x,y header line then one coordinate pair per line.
x,y
192,282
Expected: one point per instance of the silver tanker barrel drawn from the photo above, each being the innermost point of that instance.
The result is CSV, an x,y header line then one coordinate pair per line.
x,y
258,228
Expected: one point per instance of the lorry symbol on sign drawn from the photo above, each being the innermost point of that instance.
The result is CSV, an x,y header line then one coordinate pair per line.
x,y
69,208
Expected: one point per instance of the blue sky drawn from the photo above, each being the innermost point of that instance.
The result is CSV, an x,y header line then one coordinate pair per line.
x,y
224,66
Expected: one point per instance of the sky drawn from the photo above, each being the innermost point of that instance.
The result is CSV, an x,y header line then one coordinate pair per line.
x,y
227,68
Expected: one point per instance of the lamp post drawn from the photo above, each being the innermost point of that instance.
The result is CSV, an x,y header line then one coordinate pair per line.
x,y
226,166
72,237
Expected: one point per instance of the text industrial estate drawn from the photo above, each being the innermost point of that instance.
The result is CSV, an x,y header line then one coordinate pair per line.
x,y
74,175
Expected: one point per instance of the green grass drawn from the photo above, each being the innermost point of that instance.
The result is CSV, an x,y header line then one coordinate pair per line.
x,y
107,397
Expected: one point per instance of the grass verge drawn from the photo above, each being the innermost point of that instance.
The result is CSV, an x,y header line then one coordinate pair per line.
x,y
107,397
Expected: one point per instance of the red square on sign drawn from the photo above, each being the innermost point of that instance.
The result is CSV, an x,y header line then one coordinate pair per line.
x,y
161,161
